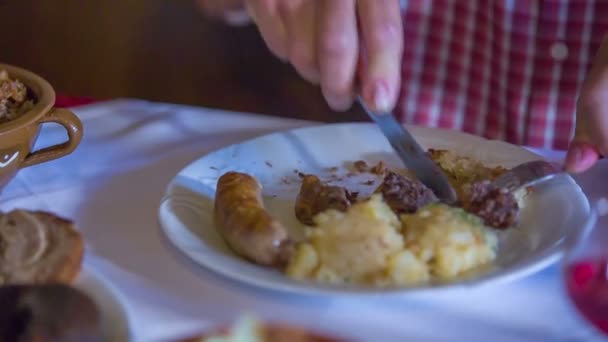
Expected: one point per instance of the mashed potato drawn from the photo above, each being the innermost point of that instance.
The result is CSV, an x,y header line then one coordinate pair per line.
x,y
362,246
369,245
449,240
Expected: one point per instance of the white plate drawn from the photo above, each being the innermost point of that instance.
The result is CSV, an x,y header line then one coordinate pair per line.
x,y
115,325
186,212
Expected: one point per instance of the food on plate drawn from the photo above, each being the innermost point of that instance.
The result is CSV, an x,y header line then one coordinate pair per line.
x,y
496,206
462,170
388,235
41,257
471,179
315,197
448,240
403,194
37,247
244,222
349,247
249,329
50,312
361,166
369,245
14,97
378,169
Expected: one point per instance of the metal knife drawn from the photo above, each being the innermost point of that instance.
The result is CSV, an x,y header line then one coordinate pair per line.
x,y
412,155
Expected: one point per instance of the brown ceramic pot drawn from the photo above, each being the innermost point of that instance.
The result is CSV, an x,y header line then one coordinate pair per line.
x,y
17,137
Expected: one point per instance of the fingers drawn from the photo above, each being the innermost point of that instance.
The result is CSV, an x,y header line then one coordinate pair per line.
x,y
337,43
591,135
382,33
581,157
218,7
268,19
321,40
231,11
299,20
589,141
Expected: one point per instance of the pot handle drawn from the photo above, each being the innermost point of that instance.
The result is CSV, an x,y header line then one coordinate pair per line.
x,y
72,125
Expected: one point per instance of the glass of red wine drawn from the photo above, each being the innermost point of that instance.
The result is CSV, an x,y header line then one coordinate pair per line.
x,y
585,268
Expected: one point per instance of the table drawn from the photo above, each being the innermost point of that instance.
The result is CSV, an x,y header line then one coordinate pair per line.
x,y
112,184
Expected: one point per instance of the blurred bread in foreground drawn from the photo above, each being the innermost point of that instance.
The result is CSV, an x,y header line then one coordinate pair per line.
x,y
249,329
37,247
47,313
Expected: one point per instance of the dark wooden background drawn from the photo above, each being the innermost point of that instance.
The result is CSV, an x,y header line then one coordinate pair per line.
x,y
161,50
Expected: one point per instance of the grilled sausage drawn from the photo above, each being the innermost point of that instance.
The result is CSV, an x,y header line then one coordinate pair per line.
x,y
246,225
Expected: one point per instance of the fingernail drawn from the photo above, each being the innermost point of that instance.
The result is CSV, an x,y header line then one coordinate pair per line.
x,y
380,96
574,157
580,158
338,103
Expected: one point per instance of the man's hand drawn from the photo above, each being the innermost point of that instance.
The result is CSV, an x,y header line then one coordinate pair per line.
x,y
323,40
231,11
591,135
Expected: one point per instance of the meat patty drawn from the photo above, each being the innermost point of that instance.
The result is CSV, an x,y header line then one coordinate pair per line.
x,y
496,206
316,197
404,195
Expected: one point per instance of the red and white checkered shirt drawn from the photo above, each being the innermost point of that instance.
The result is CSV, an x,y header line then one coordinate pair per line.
x,y
507,70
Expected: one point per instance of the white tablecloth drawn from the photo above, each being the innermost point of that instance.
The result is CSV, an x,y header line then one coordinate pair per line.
x,y
111,187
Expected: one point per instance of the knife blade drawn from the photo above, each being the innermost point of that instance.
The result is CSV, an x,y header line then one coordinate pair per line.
x,y
413,156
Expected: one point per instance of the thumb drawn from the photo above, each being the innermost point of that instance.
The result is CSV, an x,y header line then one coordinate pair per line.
x,y
591,134
581,156
582,152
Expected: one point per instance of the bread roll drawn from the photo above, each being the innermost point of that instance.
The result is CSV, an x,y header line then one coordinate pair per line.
x,y
37,247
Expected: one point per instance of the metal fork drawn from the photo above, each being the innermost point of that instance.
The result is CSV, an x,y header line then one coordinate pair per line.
x,y
528,174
